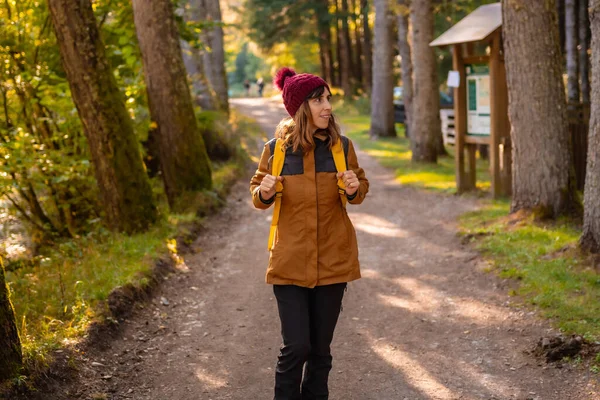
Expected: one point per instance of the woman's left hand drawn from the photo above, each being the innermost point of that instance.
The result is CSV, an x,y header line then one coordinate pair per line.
x,y
350,180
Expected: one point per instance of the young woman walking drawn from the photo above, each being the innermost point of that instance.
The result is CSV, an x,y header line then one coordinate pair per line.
x,y
309,175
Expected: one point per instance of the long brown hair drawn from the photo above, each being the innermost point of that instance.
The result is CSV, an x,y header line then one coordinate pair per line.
x,y
296,131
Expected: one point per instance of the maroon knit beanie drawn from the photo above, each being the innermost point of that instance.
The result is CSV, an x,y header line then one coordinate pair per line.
x,y
296,87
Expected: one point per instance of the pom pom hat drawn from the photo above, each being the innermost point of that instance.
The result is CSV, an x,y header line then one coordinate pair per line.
x,y
296,87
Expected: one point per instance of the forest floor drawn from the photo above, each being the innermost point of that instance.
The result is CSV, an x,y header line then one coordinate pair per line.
x,y
424,322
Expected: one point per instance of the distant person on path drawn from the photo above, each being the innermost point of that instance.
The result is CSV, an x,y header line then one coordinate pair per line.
x,y
261,85
247,87
313,252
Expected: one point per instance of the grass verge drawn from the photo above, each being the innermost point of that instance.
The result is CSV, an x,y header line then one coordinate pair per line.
x,y
541,256
57,297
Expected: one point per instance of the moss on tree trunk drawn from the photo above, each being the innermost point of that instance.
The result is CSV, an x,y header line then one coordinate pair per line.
x,y
124,186
11,357
184,162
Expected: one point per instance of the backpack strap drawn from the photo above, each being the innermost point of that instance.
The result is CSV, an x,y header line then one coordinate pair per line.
x,y
339,159
277,166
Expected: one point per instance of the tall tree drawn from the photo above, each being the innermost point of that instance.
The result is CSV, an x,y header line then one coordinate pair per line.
x,y
590,239
382,98
194,64
11,356
343,48
347,55
184,163
193,59
367,47
323,20
124,187
405,55
357,72
543,176
214,57
584,45
426,123
572,57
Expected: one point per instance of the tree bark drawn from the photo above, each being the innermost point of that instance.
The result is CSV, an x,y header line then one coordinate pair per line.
x,y
543,175
214,58
590,239
324,29
367,56
382,99
11,356
584,45
358,48
426,123
344,64
405,55
571,50
194,64
124,187
347,48
184,162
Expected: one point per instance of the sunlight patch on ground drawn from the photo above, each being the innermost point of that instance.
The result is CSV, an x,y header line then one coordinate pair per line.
x,y
416,375
369,273
377,226
209,379
400,302
477,311
391,153
493,383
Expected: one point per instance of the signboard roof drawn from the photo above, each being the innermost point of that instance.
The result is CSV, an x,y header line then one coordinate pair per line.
x,y
474,27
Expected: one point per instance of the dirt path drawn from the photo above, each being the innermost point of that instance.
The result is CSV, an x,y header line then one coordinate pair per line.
x,y
423,323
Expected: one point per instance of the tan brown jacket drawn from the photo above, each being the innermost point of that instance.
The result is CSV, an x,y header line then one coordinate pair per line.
x,y
315,243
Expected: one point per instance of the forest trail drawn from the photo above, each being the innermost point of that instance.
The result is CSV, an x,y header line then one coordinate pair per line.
x,y
424,322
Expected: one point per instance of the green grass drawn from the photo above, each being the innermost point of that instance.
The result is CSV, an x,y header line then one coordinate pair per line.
x,y
542,257
57,297
395,153
553,274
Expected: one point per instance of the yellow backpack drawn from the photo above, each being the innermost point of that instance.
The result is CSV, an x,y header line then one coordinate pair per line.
x,y
278,158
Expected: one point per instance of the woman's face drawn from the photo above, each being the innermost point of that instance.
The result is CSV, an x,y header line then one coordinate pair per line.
x,y
320,110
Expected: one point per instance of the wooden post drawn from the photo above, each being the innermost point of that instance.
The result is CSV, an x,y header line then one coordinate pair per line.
x,y
460,119
495,128
499,124
472,175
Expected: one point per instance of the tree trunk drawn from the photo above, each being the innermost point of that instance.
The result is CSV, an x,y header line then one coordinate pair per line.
x,y
11,357
358,53
124,187
426,115
543,175
347,48
560,9
344,66
214,58
405,55
571,50
382,98
184,163
367,63
324,28
584,45
590,239
194,64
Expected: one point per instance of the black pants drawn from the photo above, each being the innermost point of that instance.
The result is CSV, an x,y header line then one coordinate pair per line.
x,y
308,319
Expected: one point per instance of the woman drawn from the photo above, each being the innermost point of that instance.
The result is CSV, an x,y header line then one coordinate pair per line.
x,y
314,254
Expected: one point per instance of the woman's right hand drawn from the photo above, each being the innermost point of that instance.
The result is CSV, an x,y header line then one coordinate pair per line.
x,y
267,186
